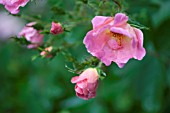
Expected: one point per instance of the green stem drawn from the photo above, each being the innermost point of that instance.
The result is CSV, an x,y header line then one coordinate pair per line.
x,y
29,18
100,64
39,48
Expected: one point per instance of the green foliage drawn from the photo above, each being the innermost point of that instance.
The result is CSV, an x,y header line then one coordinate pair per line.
x,y
43,85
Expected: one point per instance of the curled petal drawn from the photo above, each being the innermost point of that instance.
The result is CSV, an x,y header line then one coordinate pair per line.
x,y
75,79
97,21
120,19
140,50
121,31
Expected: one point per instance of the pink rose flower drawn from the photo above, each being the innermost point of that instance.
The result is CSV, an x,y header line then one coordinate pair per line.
x,y
86,83
32,35
113,39
13,5
45,52
56,28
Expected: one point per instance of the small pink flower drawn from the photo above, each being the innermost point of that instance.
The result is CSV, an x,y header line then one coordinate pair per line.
x,y
56,28
13,5
86,83
113,39
32,35
46,54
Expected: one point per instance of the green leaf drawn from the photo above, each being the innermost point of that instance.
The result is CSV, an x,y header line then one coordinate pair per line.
x,y
150,84
45,32
137,24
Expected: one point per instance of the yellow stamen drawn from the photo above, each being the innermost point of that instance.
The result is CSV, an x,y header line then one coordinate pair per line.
x,y
117,37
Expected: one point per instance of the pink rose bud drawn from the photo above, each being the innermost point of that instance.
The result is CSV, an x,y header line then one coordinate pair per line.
x,y
13,5
45,53
113,39
56,28
32,35
86,83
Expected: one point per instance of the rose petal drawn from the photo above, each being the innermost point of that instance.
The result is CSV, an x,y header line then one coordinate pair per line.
x,y
75,79
98,20
85,97
140,51
120,19
78,90
121,31
82,84
13,5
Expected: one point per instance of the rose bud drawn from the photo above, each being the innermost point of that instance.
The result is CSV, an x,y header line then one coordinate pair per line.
x,y
86,83
56,28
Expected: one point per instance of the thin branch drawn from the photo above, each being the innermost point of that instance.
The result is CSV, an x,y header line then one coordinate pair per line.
x,y
118,4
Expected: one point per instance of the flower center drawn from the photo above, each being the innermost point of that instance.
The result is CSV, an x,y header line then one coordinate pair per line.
x,y
118,38
115,41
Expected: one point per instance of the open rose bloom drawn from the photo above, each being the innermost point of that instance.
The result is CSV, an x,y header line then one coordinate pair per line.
x,y
13,5
86,83
113,39
32,35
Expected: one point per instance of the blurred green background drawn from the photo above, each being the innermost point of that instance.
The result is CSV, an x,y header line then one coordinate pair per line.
x,y
43,86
